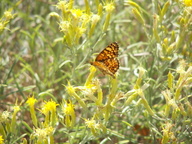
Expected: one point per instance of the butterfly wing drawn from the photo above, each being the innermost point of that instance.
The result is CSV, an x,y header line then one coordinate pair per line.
x,y
107,61
110,52
112,65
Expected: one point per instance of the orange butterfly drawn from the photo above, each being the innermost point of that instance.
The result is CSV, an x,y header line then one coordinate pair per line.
x,y
107,61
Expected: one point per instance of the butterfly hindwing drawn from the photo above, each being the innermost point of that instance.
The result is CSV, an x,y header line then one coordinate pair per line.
x,y
112,65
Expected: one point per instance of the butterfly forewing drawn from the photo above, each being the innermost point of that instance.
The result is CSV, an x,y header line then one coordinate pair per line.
x,y
111,51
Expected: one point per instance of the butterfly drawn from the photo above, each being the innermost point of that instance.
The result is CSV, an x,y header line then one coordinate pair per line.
x,y
107,61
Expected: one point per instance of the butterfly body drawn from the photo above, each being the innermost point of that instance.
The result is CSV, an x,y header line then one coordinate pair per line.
x,y
107,61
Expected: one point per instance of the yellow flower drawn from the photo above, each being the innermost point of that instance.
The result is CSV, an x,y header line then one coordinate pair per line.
x,y
49,106
71,91
95,18
64,26
93,125
16,108
8,15
62,5
187,3
31,101
80,31
4,116
68,110
42,134
87,90
76,13
49,110
85,18
1,139
109,7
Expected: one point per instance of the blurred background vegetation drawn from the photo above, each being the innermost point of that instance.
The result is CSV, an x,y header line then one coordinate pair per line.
x,y
45,44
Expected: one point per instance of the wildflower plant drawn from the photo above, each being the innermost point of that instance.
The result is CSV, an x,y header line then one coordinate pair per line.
x,y
5,19
69,114
49,110
1,140
31,102
43,135
147,101
78,23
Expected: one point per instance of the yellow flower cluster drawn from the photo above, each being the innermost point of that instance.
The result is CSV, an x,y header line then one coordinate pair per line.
x,y
77,23
6,19
1,139
187,3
